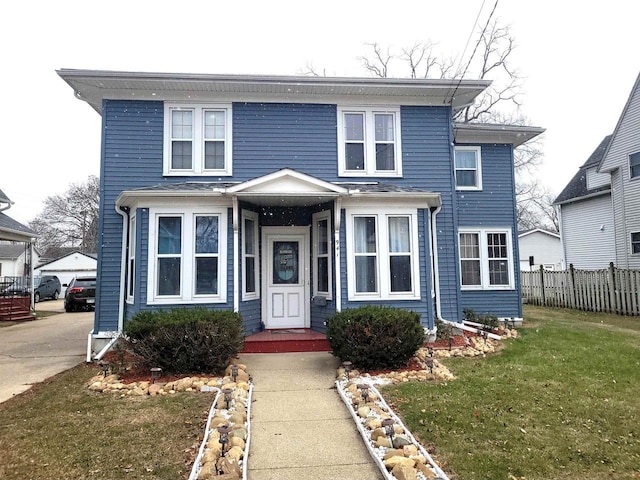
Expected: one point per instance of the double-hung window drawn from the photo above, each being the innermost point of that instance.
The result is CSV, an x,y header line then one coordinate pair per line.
x,y
635,243
468,168
369,142
322,284
383,257
486,258
634,165
250,288
187,256
197,139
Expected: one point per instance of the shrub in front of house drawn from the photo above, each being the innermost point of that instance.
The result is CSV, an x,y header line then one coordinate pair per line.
x,y
374,337
186,340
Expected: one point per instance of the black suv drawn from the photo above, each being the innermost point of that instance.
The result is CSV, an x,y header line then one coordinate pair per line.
x,y
81,294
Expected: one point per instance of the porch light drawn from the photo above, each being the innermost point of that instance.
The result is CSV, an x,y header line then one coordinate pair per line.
x,y
227,396
155,374
347,367
364,391
430,364
387,423
224,430
104,365
234,373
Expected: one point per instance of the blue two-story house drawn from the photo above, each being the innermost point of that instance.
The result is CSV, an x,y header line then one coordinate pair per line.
x,y
287,199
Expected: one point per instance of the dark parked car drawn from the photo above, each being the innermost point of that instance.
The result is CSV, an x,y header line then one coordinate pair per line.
x,y
81,294
46,286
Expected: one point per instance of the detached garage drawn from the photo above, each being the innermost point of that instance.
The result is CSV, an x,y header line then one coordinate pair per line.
x,y
74,264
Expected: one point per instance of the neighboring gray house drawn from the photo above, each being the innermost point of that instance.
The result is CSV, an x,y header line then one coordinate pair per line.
x,y
586,216
538,248
621,161
599,209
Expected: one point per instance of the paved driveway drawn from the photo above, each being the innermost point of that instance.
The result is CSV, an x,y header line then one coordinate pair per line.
x,y
33,351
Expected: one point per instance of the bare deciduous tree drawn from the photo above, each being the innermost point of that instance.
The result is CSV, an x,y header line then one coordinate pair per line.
x,y
70,219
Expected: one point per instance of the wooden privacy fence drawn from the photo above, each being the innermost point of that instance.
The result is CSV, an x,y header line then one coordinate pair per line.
x,y
612,290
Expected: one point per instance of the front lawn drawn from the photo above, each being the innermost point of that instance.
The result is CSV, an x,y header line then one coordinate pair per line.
x,y
560,402
59,430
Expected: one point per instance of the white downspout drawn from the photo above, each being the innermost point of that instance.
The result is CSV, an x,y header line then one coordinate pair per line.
x,y
123,263
337,207
236,250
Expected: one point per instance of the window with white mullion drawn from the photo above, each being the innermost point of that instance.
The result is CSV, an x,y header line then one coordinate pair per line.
x,y
366,254
498,259
470,261
468,168
486,258
249,255
384,141
214,134
169,256
322,246
400,261
182,134
206,253
355,147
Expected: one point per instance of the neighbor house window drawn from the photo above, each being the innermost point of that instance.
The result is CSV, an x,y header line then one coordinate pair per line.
x,y
249,255
188,256
322,254
635,243
131,263
486,258
369,142
634,165
383,258
197,140
468,169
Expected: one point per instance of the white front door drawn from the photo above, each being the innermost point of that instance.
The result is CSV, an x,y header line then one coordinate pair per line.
x,y
285,272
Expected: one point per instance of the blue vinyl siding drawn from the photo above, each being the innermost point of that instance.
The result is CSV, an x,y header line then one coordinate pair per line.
x,y
493,206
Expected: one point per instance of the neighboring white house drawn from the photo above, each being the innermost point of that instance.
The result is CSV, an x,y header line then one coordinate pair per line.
x,y
586,215
74,264
538,248
14,259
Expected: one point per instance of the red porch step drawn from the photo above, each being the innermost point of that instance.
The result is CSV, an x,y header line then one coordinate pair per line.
x,y
15,309
286,340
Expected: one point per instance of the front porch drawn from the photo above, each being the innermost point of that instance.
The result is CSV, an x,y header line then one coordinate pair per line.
x,y
286,340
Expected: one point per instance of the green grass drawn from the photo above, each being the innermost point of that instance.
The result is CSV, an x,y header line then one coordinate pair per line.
x,y
562,401
58,430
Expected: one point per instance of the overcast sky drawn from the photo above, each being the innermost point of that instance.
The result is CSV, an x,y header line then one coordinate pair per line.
x,y
579,60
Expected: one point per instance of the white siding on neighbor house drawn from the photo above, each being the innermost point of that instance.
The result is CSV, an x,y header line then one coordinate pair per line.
x,y
546,250
625,191
596,180
587,233
66,268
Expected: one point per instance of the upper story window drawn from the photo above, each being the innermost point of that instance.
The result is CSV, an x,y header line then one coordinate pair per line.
x,y
486,259
634,165
369,142
468,168
197,139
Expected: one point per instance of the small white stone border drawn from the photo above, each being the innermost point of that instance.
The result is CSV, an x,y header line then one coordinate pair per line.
x,y
197,465
340,383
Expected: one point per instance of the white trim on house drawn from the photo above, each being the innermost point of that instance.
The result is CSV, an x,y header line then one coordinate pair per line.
x,y
197,139
369,141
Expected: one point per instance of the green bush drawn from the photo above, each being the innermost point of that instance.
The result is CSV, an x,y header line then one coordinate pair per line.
x,y
375,337
444,331
186,340
489,321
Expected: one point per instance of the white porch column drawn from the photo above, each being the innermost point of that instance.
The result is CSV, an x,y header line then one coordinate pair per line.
x,y
236,250
337,208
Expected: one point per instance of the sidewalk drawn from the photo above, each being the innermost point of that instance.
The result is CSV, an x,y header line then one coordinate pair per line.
x,y
300,429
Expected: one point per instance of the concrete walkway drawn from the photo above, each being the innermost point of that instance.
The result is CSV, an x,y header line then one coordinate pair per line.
x,y
300,429
32,351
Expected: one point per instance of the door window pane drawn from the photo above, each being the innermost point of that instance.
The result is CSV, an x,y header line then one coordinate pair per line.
x,y
285,263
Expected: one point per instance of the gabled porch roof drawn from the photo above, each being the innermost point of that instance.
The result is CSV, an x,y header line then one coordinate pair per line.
x,y
286,188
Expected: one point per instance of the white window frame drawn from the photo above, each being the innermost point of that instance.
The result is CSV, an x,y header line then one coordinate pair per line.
x,y
369,142
198,149
484,258
187,293
249,215
631,242
383,254
478,169
316,218
631,176
131,258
